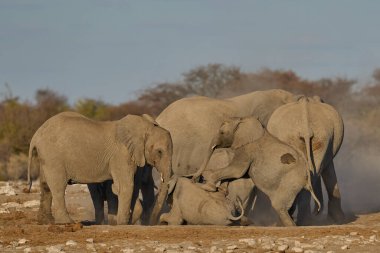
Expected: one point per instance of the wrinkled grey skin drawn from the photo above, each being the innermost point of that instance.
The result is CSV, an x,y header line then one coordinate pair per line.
x,y
315,129
69,146
276,169
193,205
192,122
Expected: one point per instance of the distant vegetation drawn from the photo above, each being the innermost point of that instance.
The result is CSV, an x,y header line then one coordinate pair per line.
x,y
19,120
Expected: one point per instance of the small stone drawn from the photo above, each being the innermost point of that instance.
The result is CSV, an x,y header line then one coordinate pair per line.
x,y
213,249
297,249
330,251
309,251
191,248
232,247
249,241
54,249
127,250
71,243
102,245
90,240
353,233
160,249
320,246
27,250
282,248
22,241
372,238
344,247
266,247
90,247
297,244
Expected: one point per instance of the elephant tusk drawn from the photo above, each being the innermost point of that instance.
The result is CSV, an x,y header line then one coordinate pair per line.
x,y
162,179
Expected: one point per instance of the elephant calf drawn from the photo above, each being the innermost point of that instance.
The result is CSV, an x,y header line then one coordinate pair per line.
x,y
198,207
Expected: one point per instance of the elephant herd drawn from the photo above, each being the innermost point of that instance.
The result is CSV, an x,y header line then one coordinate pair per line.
x,y
212,156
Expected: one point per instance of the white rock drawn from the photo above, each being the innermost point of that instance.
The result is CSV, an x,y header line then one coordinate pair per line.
x,y
71,243
22,241
191,248
249,241
372,238
282,248
31,203
344,247
297,244
353,233
54,249
213,249
7,190
90,240
28,250
127,250
160,249
102,245
232,247
297,249
267,246
309,251
4,210
330,251
90,247
11,205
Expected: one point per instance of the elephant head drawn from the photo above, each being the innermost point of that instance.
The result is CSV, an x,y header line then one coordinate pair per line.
x,y
233,133
147,142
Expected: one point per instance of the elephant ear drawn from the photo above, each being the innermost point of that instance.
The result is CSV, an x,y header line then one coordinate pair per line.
x,y
150,119
248,130
131,132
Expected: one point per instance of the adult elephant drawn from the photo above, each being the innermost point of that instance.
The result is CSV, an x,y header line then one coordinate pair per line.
x,y
192,122
71,147
316,129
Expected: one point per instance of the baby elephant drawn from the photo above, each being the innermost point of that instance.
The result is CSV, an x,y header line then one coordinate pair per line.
x,y
276,168
198,207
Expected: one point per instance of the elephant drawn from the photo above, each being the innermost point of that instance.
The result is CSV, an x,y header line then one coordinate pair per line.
x,y
101,192
193,205
193,121
71,147
315,129
275,168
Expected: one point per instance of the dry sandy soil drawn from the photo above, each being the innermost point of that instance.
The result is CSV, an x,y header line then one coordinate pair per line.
x,y
19,232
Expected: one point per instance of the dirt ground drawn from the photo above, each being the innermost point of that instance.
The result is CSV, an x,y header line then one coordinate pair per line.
x,y
19,232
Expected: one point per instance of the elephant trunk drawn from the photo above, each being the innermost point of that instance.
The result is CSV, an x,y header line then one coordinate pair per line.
x,y
162,193
233,218
202,168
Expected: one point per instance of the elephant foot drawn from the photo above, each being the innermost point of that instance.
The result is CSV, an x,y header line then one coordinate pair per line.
x,y
44,219
112,219
337,217
208,186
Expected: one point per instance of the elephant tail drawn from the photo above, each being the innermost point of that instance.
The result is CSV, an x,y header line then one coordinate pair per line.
x,y
31,157
309,188
233,218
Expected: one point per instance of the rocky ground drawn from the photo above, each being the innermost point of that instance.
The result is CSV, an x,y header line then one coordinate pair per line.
x,y
19,232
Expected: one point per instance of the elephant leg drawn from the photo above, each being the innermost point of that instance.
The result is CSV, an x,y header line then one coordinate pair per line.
x,y
98,201
334,205
137,212
44,214
112,200
281,204
236,169
304,211
58,193
147,191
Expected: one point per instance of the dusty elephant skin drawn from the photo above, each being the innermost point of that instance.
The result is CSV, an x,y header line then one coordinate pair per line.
x,y
315,129
72,147
192,122
276,169
198,207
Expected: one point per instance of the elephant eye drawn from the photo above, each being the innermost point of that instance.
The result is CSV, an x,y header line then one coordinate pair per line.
x,y
159,152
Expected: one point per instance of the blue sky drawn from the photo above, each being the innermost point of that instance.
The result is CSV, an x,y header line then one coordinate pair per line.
x,y
113,49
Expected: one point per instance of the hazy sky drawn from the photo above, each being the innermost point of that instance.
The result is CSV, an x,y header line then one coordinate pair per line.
x,y
112,49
